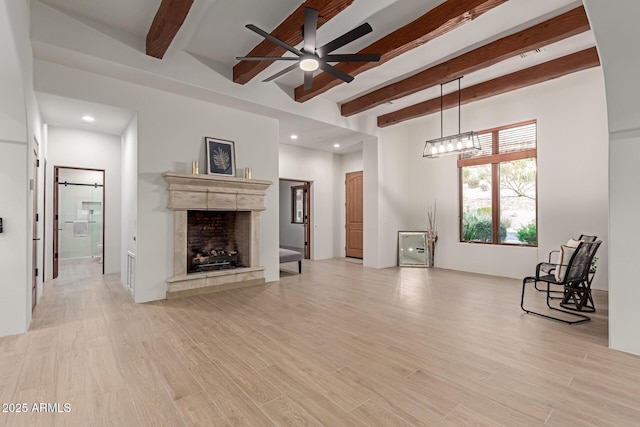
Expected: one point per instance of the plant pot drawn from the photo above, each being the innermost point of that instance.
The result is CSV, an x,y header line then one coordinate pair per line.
x,y
431,253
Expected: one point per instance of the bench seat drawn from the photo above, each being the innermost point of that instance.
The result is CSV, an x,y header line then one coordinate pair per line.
x,y
287,255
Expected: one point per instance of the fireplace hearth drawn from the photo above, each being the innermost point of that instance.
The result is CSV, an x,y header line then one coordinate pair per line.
x,y
216,225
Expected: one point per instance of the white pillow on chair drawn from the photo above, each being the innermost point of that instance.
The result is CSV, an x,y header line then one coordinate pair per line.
x,y
551,268
573,243
566,252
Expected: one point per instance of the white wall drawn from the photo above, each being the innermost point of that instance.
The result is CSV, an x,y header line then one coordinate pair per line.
x,y
171,131
394,182
291,235
624,207
84,149
19,129
572,173
14,281
351,162
129,166
321,168
616,32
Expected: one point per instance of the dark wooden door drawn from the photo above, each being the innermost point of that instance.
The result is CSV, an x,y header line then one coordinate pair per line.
x,y
34,245
354,220
56,223
307,220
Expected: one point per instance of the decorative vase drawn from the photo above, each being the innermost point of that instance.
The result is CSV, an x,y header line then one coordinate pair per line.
x,y
431,253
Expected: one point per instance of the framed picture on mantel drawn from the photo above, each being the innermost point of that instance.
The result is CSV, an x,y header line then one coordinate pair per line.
x,y
221,157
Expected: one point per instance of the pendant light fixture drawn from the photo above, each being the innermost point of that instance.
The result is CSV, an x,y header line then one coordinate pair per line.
x,y
463,143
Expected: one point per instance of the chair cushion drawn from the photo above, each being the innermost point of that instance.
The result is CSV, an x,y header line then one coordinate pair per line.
x,y
287,255
566,252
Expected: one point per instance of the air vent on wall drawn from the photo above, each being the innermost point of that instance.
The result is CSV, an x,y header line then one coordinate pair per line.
x,y
532,52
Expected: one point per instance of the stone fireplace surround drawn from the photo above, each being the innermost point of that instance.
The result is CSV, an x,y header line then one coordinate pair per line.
x,y
193,192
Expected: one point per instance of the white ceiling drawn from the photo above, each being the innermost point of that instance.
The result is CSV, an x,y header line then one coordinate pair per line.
x,y
218,35
67,112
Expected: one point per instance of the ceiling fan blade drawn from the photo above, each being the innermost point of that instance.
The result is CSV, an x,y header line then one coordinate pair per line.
x,y
310,27
267,58
354,57
281,73
335,72
273,39
308,80
344,39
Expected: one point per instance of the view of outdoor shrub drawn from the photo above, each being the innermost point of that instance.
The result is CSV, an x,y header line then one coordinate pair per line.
x,y
476,226
473,182
528,234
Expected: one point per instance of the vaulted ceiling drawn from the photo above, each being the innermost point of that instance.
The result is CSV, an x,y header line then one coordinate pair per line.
x,y
496,45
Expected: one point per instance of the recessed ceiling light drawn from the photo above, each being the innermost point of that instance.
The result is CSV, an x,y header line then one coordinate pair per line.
x,y
336,145
88,119
294,136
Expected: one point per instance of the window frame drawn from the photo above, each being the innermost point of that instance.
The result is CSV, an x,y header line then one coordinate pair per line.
x,y
495,159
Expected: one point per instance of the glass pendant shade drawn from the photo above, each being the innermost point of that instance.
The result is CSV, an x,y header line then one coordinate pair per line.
x,y
466,143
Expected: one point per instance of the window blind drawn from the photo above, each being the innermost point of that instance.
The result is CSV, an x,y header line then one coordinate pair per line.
x,y
517,138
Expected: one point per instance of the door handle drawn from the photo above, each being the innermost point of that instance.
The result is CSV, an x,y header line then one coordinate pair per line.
x,y
36,238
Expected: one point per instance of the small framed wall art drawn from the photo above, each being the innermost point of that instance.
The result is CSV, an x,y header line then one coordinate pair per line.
x,y
221,156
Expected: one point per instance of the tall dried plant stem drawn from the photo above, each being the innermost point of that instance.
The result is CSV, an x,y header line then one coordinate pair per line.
x,y
431,220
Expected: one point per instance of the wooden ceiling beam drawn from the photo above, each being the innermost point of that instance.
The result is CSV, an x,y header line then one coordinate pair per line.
x,y
168,20
572,63
438,21
566,25
289,32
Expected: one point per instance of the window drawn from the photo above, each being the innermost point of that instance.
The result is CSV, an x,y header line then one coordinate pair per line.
x,y
297,204
498,188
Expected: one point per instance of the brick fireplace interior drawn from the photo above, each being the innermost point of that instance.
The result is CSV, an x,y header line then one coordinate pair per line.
x,y
217,240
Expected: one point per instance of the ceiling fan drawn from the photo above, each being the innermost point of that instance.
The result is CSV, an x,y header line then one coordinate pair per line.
x,y
310,57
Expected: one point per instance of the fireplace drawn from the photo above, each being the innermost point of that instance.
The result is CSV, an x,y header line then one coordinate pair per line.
x,y
216,238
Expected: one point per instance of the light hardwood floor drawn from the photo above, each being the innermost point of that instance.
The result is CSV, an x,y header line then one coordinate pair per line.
x,y
339,345
78,268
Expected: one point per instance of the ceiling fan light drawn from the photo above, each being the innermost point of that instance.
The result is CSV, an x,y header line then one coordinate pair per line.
x,y
309,64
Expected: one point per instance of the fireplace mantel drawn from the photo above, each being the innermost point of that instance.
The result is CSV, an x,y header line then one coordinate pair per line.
x,y
189,192
214,192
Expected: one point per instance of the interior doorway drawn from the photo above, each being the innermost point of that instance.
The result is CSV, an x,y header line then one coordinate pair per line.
x,y
35,238
355,214
295,216
78,222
